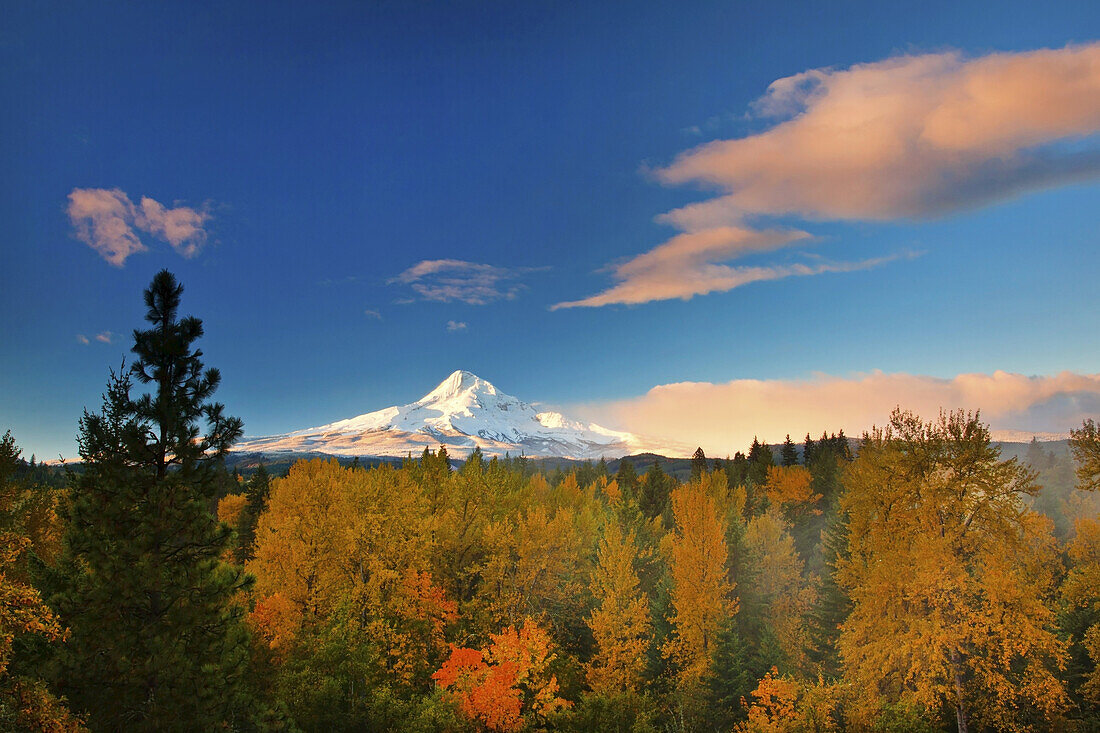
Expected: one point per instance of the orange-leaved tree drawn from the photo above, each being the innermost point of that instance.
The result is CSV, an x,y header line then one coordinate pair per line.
x,y
508,685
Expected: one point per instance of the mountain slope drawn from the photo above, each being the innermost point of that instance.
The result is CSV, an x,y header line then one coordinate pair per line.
x,y
462,413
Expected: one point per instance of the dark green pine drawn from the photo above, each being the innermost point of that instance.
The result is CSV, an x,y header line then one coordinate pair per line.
x,y
156,643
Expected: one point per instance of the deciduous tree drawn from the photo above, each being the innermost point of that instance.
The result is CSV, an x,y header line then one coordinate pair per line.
x,y
949,575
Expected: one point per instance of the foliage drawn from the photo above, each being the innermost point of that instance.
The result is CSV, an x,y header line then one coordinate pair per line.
x,y
948,575
507,685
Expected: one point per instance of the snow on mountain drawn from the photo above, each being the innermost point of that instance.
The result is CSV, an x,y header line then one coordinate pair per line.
x,y
463,412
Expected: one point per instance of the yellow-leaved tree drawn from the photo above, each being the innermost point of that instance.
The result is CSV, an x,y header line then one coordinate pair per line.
x,y
702,592
620,624
950,576
336,538
788,489
779,585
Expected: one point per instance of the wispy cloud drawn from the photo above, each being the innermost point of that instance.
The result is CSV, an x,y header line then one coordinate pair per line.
x,y
109,222
104,337
910,137
724,418
472,283
453,326
82,339
370,313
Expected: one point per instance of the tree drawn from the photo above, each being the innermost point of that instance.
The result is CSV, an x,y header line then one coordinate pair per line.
x,y
620,625
655,488
702,593
510,680
1081,610
787,489
948,574
779,586
256,492
627,478
788,453
698,464
156,643
28,527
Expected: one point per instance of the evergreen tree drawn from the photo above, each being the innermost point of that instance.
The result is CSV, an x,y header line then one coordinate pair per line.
x,y
737,470
832,605
656,487
789,454
698,464
808,450
627,478
256,491
155,643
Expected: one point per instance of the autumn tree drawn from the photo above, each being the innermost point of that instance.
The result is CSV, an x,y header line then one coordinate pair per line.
x,y
620,623
1081,588
156,643
1081,611
345,592
949,575
28,526
779,588
702,593
535,566
784,704
507,685
788,489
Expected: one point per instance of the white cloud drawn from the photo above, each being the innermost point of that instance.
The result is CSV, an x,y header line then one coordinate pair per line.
x,y
724,418
912,136
457,280
104,337
82,339
453,326
109,222
369,313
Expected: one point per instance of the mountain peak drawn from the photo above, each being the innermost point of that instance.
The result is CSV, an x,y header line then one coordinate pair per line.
x,y
457,383
463,412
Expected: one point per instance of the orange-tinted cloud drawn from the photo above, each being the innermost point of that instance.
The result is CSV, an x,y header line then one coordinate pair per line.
x,y
908,137
724,418
911,136
109,222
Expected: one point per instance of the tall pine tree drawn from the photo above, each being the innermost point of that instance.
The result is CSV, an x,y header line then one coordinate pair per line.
x,y
155,643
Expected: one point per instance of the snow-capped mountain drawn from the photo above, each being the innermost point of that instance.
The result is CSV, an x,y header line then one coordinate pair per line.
x,y
464,411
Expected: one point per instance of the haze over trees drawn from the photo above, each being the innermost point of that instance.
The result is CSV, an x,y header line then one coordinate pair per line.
x,y
917,580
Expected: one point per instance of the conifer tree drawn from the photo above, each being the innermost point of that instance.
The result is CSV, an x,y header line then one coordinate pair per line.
x,y
808,450
789,454
155,643
627,478
698,464
256,492
656,486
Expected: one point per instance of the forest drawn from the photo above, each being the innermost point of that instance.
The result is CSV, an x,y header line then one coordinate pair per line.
x,y
913,579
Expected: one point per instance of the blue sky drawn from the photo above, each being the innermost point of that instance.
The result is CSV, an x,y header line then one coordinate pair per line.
x,y
323,150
